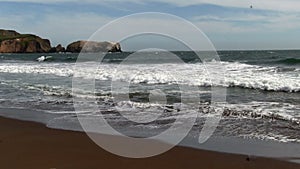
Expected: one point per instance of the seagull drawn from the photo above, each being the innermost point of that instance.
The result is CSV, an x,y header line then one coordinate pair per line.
x,y
251,6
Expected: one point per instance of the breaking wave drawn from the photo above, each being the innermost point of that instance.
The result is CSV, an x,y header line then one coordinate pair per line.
x,y
237,74
289,61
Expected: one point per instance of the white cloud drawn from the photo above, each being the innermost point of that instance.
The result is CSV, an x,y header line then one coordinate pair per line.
x,y
67,27
277,5
70,27
59,28
223,27
235,18
280,22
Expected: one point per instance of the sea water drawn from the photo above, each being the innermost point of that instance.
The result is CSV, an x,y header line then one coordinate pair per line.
x,y
262,102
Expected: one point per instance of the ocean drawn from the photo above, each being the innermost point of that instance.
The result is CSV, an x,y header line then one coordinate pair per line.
x,y
262,101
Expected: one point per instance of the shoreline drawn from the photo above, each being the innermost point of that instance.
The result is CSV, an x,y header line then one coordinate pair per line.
x,y
32,145
286,151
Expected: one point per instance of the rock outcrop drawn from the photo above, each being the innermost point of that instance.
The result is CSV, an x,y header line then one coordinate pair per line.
x,y
14,42
93,47
58,49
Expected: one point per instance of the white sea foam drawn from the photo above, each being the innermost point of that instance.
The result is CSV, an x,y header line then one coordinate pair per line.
x,y
237,74
271,136
271,110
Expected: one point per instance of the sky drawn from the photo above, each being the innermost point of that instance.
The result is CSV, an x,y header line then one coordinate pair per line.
x,y
229,24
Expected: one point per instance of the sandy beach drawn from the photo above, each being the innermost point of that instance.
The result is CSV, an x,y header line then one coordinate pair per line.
x,y
188,84
33,146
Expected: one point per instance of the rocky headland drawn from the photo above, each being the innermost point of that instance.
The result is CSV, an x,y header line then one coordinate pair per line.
x,y
14,42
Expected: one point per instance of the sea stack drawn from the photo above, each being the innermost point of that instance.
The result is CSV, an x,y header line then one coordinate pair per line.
x,y
93,47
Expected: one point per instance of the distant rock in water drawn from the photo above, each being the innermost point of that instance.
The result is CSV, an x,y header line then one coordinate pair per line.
x,y
58,49
93,47
14,42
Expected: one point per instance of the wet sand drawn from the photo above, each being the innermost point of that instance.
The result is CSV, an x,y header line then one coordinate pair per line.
x,y
29,145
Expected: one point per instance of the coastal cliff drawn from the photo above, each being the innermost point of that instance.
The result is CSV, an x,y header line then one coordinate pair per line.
x,y
14,42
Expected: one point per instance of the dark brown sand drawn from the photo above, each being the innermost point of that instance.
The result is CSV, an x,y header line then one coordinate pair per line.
x,y
28,145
